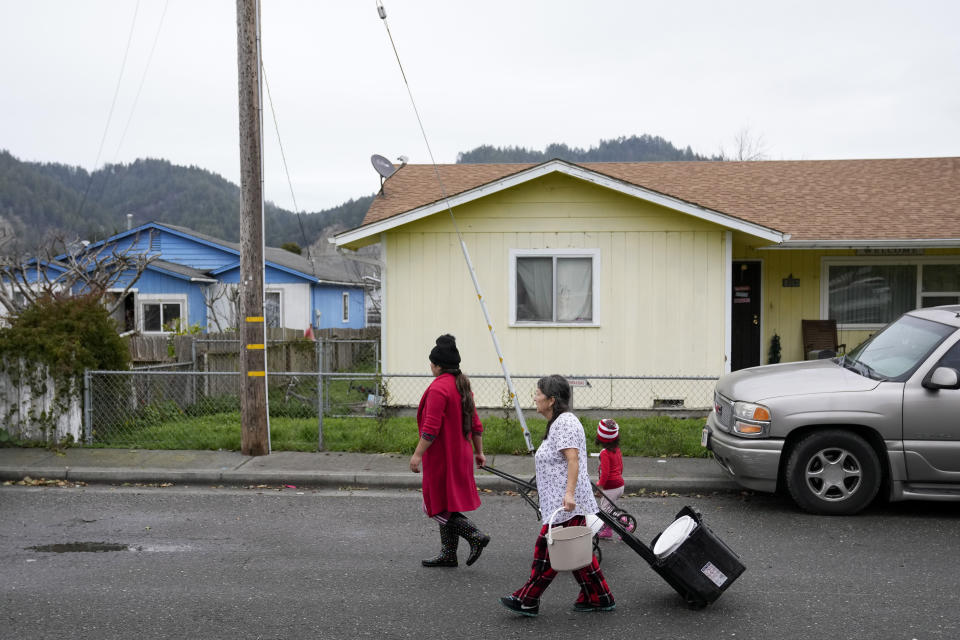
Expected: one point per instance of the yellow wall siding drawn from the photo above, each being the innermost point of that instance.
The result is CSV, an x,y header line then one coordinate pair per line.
x,y
661,285
785,307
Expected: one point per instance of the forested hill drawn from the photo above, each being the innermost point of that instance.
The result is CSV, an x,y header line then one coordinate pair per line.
x,y
645,148
37,200
41,199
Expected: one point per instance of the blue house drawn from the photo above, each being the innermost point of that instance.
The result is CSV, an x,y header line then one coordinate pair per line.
x,y
193,281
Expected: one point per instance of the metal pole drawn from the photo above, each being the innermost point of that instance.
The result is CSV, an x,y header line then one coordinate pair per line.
x,y
496,345
87,408
318,348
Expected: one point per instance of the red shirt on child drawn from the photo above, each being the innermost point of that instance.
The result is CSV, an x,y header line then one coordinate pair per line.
x,y
611,469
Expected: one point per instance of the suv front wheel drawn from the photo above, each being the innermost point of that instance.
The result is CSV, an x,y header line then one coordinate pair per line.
x,y
833,472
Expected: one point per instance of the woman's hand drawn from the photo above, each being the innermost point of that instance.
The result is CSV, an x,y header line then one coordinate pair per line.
x,y
417,457
569,504
480,458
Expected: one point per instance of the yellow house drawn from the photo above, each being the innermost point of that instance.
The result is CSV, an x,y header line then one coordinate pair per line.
x,y
656,268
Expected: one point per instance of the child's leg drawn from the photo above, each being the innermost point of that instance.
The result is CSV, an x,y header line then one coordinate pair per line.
x,y
608,497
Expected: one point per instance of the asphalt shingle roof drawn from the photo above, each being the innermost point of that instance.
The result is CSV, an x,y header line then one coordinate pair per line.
x,y
327,269
891,199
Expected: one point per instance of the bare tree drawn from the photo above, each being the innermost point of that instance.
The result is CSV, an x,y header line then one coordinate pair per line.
x,y
747,147
61,269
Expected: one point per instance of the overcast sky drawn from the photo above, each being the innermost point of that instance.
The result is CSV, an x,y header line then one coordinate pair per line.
x,y
814,79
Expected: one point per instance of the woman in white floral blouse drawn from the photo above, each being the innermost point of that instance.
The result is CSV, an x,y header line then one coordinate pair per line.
x,y
562,481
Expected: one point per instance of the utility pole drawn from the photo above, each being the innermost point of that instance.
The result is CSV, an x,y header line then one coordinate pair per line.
x,y
255,436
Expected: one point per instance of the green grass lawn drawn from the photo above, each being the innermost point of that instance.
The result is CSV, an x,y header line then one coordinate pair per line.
x,y
654,436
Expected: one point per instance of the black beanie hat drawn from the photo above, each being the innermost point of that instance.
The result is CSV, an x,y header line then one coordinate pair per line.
x,y
445,354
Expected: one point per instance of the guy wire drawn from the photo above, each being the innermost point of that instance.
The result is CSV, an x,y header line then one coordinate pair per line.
x,y
382,12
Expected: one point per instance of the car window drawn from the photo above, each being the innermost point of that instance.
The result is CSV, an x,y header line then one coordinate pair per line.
x,y
951,358
897,351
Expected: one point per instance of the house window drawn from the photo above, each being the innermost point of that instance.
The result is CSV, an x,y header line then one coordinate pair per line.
x,y
346,306
873,294
271,309
554,286
940,284
160,316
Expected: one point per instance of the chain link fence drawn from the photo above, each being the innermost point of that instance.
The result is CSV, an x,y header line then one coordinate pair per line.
x,y
156,408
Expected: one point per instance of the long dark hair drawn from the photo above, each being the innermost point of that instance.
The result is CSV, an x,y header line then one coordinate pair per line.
x,y
467,405
558,388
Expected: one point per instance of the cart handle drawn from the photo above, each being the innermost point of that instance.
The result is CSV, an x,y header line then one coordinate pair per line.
x,y
523,484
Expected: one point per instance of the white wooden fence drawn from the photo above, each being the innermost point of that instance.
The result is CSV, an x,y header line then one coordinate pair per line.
x,y
32,410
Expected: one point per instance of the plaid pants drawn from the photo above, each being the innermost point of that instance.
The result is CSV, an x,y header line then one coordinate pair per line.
x,y
593,586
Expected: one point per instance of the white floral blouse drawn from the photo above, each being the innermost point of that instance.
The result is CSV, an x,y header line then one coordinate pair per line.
x,y
566,432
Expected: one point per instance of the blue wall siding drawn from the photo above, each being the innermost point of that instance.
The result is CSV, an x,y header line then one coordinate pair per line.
x,y
328,300
174,248
271,275
151,282
191,253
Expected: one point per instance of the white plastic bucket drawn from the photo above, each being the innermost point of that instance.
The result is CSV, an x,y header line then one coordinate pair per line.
x,y
569,547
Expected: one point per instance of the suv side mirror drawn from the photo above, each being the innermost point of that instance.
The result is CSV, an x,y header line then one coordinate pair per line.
x,y
942,378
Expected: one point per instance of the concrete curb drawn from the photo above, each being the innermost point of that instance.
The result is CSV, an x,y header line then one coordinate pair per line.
x,y
101,475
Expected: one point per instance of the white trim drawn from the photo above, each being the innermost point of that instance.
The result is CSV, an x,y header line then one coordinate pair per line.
x,y
559,166
728,300
344,306
384,279
827,261
161,299
932,243
593,254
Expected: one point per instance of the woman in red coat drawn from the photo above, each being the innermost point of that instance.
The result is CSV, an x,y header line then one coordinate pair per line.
x,y
448,424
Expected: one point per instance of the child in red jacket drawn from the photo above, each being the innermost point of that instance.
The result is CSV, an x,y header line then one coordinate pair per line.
x,y
611,469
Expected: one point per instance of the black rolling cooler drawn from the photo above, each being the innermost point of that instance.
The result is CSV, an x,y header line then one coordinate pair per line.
x,y
700,569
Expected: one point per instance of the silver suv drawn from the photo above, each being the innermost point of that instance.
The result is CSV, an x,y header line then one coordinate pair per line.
x,y
833,433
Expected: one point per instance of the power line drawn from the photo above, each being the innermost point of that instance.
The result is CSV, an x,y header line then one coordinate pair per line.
x,y
113,104
283,157
136,99
143,78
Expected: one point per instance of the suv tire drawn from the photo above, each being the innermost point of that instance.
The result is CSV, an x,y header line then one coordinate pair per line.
x,y
833,472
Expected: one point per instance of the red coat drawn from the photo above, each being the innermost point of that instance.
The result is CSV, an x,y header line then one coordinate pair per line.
x,y
448,483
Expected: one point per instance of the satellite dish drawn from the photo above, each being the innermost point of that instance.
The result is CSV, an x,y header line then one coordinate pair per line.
x,y
383,166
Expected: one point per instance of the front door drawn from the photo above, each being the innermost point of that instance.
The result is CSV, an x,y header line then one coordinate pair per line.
x,y
745,315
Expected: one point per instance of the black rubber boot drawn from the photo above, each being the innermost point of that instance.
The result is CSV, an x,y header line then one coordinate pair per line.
x,y
448,548
469,532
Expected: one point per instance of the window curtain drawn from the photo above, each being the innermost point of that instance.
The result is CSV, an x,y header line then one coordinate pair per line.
x,y
574,290
871,294
535,289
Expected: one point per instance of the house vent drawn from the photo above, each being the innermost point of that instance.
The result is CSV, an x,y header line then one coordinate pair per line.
x,y
668,403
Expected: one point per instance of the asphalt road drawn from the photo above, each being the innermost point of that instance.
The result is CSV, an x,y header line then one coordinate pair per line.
x,y
245,563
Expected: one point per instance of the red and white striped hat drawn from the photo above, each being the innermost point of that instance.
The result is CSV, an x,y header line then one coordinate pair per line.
x,y
608,430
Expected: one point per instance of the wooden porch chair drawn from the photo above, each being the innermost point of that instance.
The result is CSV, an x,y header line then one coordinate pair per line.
x,y
820,339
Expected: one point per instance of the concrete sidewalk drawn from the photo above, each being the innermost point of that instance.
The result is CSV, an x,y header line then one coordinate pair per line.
x,y
321,469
